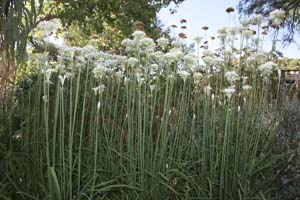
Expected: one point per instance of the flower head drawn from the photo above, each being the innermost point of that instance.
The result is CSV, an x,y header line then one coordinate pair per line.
x,y
257,19
229,92
163,42
267,68
247,87
277,16
99,89
231,76
138,35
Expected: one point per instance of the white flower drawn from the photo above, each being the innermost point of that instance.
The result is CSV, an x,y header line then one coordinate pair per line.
x,y
163,42
170,57
177,52
223,31
99,89
132,61
197,39
154,67
176,44
247,87
190,59
48,27
229,92
138,34
277,16
119,74
183,74
152,88
126,42
99,71
233,31
197,75
266,69
231,76
208,53
257,19
208,60
258,57
247,33
147,43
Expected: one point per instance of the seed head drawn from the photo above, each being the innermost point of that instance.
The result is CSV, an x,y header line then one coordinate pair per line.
x,y
182,21
205,28
230,9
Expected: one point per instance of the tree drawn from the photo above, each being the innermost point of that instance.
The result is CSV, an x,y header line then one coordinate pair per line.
x,y
264,7
121,14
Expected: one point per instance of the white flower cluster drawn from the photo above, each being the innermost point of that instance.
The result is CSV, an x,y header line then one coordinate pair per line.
x,y
231,76
256,19
229,92
266,68
277,16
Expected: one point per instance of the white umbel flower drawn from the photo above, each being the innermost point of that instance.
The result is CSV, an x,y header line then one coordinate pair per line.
x,y
229,92
256,19
132,61
99,89
267,68
138,35
163,42
231,76
197,39
277,16
247,87
183,74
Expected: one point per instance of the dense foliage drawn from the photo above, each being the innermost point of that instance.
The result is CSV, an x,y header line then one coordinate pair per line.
x,y
117,14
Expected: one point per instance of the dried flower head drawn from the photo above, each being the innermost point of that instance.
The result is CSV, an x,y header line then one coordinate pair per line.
x,y
139,25
182,21
230,9
205,28
265,27
182,35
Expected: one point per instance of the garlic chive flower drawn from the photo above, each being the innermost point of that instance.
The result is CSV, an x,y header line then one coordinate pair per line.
x,y
132,61
256,19
197,39
163,42
231,76
277,16
247,87
267,68
183,74
229,92
99,89
138,35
